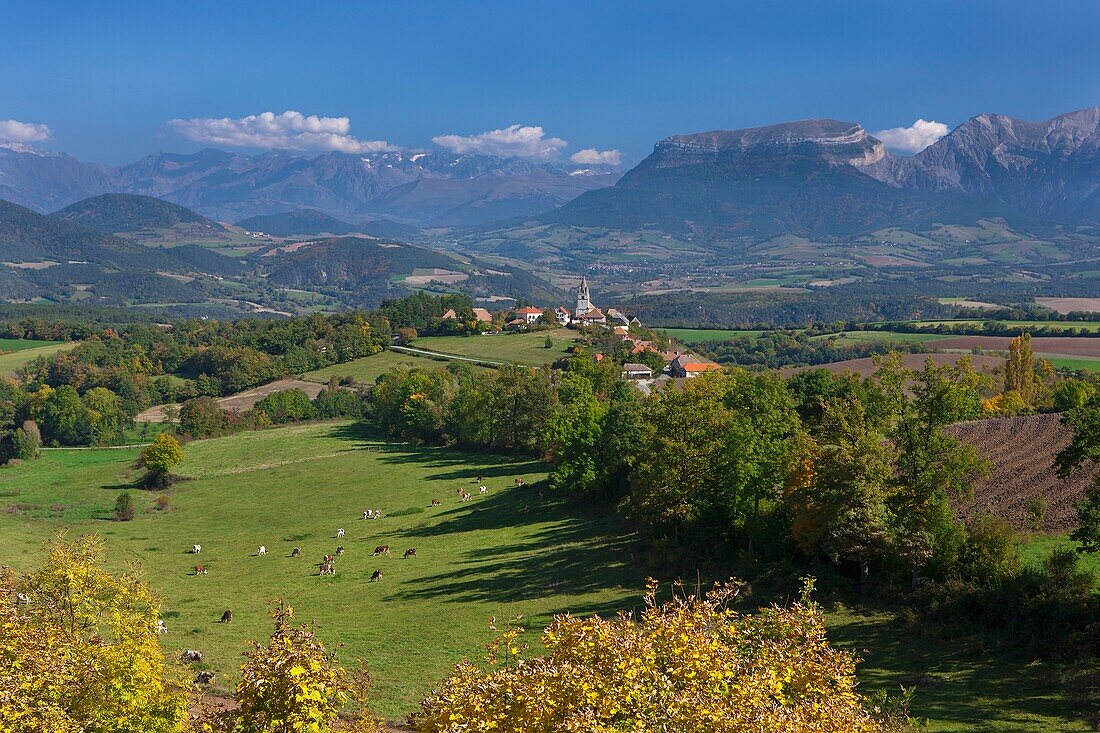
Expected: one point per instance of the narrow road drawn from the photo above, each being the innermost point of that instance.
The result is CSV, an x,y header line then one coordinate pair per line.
x,y
441,355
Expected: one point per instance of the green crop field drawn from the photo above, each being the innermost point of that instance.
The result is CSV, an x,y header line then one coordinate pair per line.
x,y
14,353
1081,363
697,335
859,337
294,486
520,348
369,368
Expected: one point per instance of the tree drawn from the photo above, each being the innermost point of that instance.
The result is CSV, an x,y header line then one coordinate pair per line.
x,y
27,441
574,435
547,343
932,467
65,418
160,458
203,417
1020,369
843,507
124,507
105,415
690,665
1085,446
84,654
288,405
292,685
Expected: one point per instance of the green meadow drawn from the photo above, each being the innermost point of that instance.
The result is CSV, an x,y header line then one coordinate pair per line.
x,y
14,353
508,554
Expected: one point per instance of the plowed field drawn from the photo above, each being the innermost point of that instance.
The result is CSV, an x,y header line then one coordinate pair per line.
x,y
1021,452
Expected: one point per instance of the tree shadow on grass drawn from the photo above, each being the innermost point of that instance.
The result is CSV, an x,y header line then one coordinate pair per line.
x,y
957,680
564,550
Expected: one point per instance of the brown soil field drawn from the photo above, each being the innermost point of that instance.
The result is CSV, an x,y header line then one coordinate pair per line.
x,y
1021,453
1070,305
1054,345
866,367
242,400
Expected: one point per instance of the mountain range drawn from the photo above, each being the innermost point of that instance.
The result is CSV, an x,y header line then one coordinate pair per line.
x,y
828,178
425,189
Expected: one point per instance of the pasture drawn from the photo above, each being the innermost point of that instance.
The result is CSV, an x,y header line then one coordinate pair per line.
x,y
505,554
369,368
520,348
691,336
14,353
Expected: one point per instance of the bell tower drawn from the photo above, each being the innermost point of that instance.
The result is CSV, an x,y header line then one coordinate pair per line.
x,y
584,303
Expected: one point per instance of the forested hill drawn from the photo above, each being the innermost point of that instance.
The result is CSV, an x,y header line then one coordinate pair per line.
x,y
123,213
26,236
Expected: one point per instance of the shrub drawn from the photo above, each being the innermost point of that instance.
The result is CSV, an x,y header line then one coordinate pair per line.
x,y
988,554
203,417
690,665
27,441
160,458
124,507
288,405
163,504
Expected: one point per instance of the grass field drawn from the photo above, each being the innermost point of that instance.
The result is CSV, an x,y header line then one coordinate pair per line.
x,y
22,351
860,337
1081,363
294,486
696,335
520,348
369,368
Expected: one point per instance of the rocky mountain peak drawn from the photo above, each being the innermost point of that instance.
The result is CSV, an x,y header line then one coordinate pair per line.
x,y
837,141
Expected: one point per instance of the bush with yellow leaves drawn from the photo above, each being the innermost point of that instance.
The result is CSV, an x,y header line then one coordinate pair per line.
x,y
79,649
293,685
690,665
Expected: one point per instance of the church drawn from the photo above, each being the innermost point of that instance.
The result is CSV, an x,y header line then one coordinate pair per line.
x,y
585,311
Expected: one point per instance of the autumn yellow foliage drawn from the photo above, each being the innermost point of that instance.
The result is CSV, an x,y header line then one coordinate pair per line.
x,y
79,649
690,665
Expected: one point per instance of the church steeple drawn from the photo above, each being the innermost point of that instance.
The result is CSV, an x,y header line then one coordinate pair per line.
x,y
584,302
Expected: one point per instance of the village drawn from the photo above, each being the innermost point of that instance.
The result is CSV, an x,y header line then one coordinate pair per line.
x,y
671,366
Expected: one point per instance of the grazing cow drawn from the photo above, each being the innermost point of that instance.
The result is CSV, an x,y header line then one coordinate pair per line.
x,y
381,550
200,570
196,549
376,575
161,628
480,478
261,551
367,514
328,568
191,655
526,509
411,552
483,489
22,598
340,550
436,502
377,513
466,496
206,678
227,616
340,532
296,552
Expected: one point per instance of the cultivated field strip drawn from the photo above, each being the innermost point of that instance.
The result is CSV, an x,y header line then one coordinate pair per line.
x,y
1021,453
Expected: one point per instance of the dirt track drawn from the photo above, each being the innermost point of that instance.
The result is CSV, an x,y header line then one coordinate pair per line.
x,y
242,400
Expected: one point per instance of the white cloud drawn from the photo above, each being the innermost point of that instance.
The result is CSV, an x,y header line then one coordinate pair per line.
x,y
914,138
289,131
591,156
513,141
13,131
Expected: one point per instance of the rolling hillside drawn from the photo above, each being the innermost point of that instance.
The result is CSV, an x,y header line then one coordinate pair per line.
x,y
119,213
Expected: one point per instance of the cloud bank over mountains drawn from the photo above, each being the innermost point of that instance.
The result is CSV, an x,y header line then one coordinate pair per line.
x,y
520,141
290,130
14,131
914,138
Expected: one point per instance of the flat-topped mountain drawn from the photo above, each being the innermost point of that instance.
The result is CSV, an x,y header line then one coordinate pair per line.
x,y
828,178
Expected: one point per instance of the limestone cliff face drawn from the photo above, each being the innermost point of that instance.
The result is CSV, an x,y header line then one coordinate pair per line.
x,y
837,142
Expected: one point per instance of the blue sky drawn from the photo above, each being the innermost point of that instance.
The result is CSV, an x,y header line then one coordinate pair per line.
x,y
106,78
